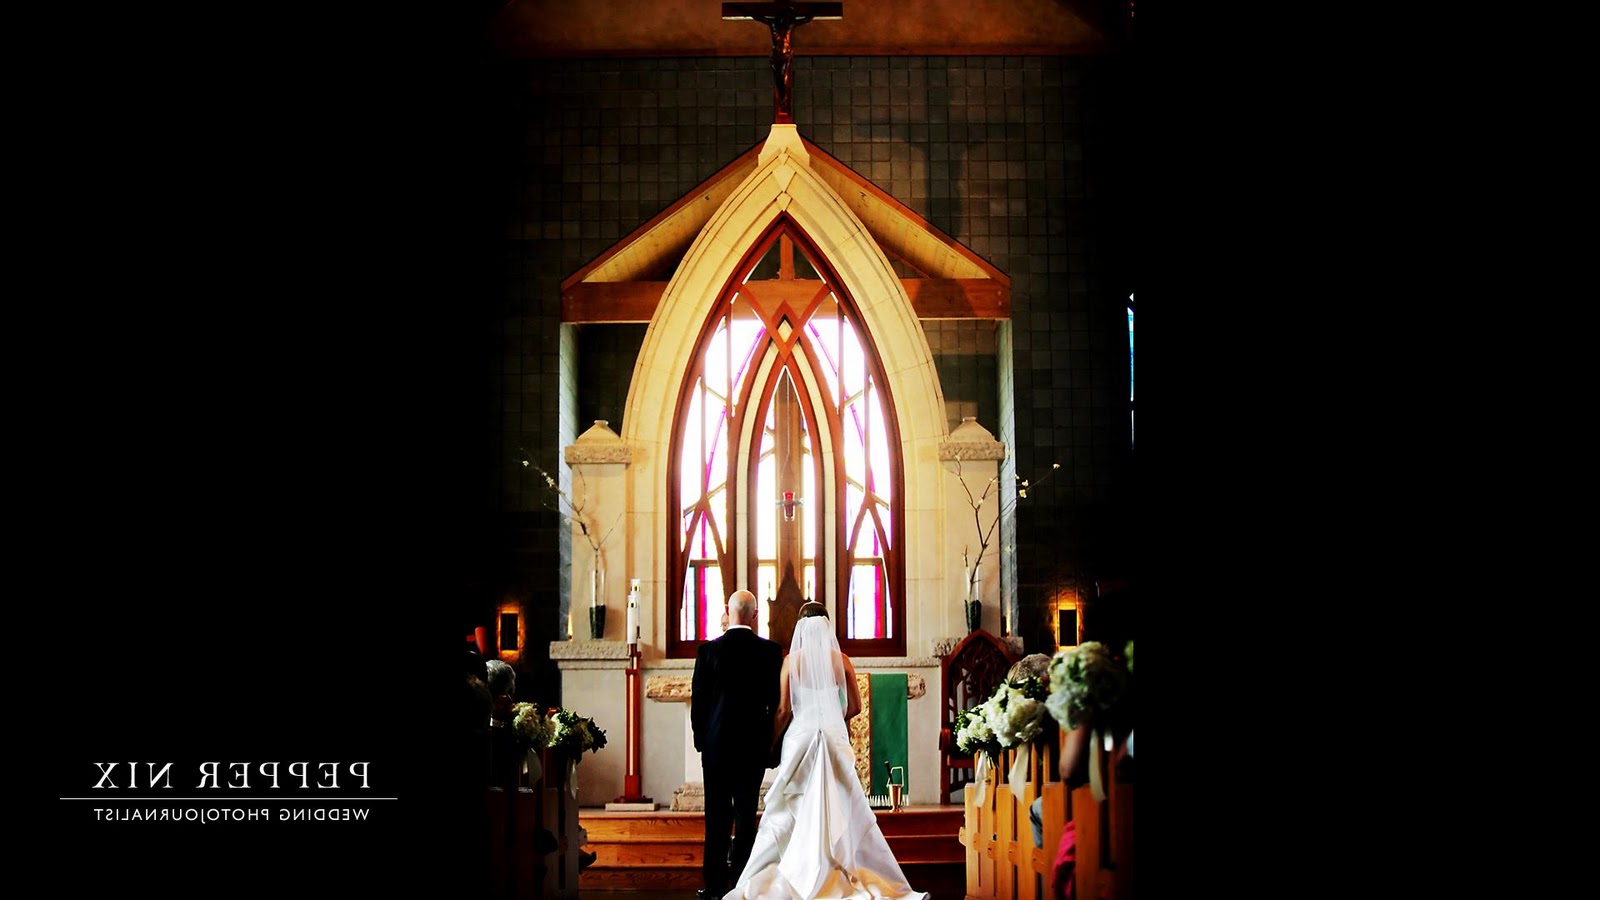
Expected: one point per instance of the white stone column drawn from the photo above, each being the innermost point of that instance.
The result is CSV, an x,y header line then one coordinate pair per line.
x,y
971,457
593,676
599,460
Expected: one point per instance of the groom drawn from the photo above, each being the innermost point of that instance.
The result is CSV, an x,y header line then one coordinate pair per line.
x,y
731,705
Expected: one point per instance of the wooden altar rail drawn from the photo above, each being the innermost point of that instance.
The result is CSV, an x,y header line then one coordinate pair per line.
x,y
1003,863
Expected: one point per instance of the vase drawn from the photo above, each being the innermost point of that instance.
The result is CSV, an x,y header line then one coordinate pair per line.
x,y
597,622
974,615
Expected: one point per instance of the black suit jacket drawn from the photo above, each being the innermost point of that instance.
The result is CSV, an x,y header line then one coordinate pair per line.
x,y
735,696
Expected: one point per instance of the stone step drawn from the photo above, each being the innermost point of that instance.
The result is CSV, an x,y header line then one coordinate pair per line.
x,y
663,850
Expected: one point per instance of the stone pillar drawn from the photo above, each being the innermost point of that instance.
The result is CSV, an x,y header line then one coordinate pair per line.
x,y
973,497
599,460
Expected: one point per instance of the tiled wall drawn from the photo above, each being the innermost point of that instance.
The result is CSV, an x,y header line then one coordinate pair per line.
x,y
606,354
964,356
1016,157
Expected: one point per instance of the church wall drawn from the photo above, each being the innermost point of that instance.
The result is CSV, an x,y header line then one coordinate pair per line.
x,y
1014,156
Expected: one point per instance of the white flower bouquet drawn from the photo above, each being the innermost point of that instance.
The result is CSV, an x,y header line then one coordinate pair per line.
x,y
973,735
1086,681
530,725
1012,717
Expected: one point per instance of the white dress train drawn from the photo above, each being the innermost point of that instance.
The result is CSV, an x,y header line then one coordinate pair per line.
x,y
818,838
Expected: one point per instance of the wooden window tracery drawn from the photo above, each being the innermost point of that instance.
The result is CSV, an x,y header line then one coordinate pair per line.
x,y
785,392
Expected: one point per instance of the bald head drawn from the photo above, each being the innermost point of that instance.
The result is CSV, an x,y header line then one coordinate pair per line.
x,y
742,608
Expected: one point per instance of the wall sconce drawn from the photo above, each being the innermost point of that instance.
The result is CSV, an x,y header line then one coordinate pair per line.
x,y
509,636
1067,626
1067,619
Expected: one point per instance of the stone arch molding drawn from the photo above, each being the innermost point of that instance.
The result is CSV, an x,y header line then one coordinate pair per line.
x,y
783,183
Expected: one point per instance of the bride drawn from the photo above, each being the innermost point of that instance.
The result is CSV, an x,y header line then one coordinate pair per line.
x,y
818,837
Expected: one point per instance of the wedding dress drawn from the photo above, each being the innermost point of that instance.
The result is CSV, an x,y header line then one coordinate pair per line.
x,y
818,838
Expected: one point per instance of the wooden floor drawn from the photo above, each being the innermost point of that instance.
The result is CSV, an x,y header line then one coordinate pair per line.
x,y
657,855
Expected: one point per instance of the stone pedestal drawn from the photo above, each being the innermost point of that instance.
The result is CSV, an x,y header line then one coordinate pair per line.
x,y
594,684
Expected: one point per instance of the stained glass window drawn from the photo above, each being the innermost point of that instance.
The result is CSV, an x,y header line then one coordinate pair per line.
x,y
787,459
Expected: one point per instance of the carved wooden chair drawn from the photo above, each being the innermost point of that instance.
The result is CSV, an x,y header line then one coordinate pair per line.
x,y
970,674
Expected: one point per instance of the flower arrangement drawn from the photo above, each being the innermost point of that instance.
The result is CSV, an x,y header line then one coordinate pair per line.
x,y
1086,682
973,735
530,725
574,513
1090,688
1016,713
572,734
1012,716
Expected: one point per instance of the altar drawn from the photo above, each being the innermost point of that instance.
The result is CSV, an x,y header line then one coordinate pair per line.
x,y
593,678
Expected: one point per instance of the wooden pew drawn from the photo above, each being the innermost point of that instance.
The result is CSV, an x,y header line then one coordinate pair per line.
x,y
978,835
1056,812
1032,864
1104,832
516,812
1025,873
515,872
1003,863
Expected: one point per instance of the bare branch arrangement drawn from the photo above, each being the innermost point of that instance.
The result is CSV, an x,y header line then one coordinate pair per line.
x,y
573,512
986,535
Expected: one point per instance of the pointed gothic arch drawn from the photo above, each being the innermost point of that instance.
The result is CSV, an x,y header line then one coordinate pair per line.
x,y
785,388
783,192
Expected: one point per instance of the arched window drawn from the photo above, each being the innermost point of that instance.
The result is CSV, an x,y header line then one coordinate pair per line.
x,y
787,473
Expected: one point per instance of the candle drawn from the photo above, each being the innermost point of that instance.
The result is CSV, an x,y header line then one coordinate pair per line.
x,y
808,585
966,579
594,586
633,612
977,581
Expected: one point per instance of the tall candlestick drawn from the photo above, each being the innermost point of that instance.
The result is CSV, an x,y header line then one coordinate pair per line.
x,y
633,612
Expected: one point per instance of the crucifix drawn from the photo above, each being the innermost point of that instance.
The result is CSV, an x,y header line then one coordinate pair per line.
x,y
782,17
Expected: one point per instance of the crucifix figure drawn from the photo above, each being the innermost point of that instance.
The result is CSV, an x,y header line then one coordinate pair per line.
x,y
782,17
